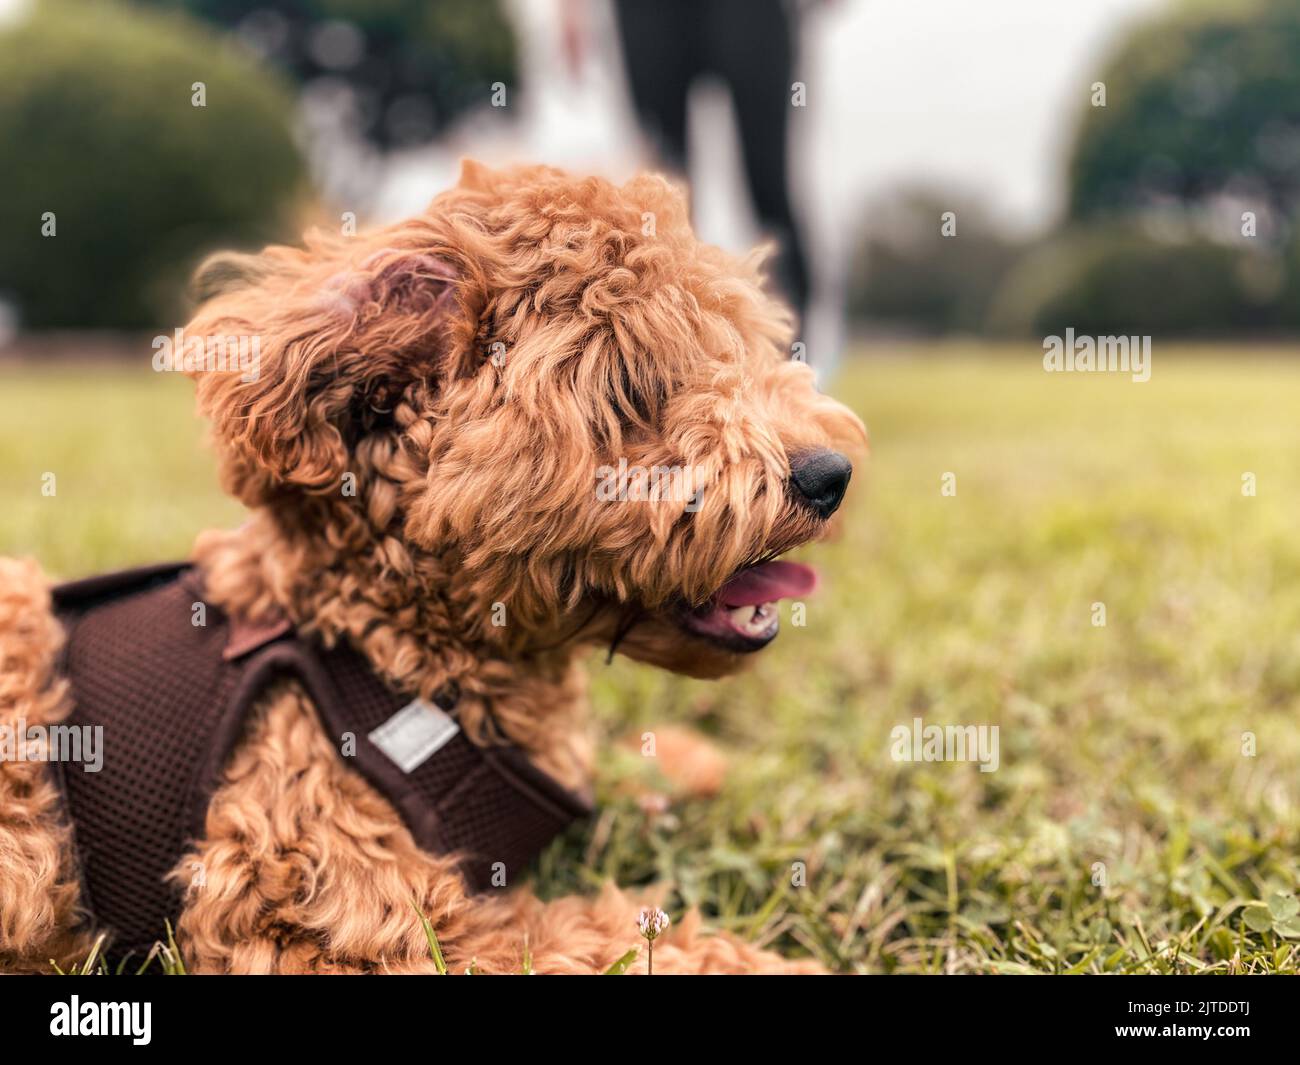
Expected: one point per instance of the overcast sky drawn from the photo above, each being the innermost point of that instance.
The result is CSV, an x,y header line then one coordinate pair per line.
x,y
979,95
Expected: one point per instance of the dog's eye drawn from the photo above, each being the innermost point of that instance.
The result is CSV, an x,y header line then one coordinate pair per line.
x,y
638,401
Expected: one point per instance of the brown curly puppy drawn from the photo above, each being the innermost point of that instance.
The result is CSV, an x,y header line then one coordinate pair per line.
x,y
467,374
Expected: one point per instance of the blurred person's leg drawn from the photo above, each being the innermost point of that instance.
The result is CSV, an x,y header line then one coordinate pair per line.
x,y
751,47
658,39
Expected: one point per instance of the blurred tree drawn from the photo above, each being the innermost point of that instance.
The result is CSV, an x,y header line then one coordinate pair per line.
x,y
114,182
1183,191
908,273
406,68
1201,102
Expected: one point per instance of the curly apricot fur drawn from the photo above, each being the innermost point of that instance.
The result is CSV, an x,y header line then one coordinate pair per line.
x,y
418,450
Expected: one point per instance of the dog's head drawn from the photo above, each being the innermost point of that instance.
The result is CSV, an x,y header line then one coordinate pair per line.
x,y
591,419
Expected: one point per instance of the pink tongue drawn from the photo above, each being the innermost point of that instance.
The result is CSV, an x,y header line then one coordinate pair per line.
x,y
768,582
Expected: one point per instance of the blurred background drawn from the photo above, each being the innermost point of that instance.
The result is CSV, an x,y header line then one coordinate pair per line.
x,y
1098,158
948,182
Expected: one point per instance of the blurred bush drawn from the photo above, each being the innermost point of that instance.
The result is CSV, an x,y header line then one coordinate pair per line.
x,y
908,275
98,128
408,68
1117,279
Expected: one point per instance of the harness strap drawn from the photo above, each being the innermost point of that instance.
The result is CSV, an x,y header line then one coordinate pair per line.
x,y
171,681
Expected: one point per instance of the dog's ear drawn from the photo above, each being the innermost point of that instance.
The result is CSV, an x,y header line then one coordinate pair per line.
x,y
334,342
474,175
226,272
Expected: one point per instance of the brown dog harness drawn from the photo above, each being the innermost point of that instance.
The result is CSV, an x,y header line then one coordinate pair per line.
x,y
172,680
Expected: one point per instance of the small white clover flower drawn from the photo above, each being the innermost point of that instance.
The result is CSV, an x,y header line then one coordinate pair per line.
x,y
651,922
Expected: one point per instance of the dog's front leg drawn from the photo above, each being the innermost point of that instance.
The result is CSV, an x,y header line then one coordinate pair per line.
x,y
304,868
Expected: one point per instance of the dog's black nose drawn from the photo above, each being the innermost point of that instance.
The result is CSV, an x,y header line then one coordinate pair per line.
x,y
820,478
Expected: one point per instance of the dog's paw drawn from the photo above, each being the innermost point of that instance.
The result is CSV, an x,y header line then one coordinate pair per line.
x,y
690,764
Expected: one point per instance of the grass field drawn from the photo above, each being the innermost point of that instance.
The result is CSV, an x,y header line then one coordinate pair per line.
x,y
1128,828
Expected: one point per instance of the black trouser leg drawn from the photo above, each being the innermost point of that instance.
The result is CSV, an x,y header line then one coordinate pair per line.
x,y
751,45
658,40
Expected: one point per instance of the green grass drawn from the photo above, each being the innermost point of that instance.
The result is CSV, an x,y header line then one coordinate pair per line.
x,y
1120,745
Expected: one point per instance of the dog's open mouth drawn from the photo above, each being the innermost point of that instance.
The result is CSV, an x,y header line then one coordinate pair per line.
x,y
742,616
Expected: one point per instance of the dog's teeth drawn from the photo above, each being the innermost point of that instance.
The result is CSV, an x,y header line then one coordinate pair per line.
x,y
753,620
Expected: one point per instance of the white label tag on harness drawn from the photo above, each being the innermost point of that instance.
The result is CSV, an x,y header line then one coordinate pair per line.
x,y
414,734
